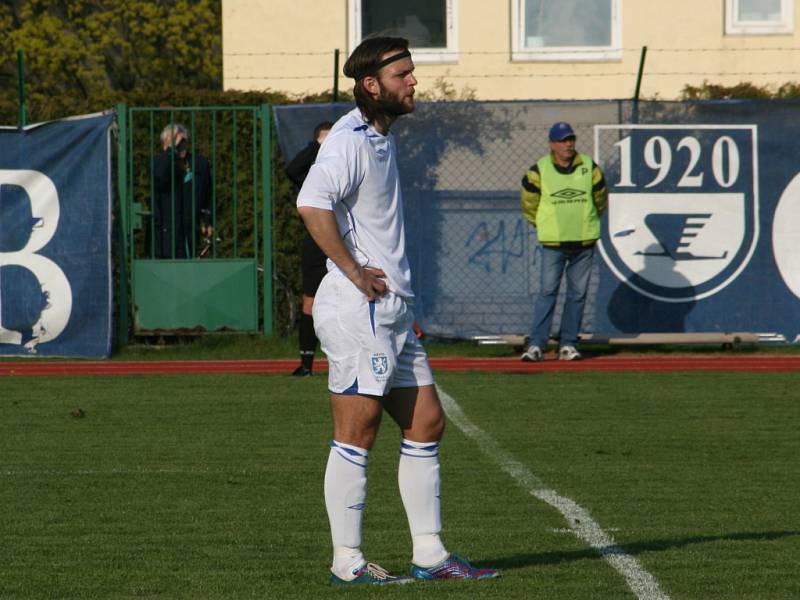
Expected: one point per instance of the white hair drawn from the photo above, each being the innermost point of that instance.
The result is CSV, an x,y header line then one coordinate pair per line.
x,y
171,131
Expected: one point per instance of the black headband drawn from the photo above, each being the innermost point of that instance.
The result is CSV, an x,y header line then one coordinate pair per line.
x,y
373,70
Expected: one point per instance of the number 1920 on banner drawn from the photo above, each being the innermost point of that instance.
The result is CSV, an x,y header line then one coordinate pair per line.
x,y
683,206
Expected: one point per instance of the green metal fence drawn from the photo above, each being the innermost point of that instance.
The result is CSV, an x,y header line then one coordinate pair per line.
x,y
195,220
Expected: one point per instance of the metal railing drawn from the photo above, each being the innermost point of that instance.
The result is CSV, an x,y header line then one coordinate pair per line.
x,y
211,205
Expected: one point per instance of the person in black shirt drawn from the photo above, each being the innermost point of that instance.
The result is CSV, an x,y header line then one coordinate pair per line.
x,y
182,183
313,260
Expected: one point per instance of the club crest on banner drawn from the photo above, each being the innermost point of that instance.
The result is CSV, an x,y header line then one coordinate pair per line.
x,y
682,219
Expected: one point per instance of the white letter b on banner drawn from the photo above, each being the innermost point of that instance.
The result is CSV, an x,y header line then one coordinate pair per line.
x,y
45,211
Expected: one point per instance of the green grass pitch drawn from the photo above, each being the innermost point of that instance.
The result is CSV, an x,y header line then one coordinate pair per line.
x,y
211,486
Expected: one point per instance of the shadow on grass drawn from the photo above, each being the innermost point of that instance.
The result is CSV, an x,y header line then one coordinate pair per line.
x,y
551,558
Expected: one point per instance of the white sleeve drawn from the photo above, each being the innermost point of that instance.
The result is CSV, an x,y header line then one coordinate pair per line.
x,y
335,175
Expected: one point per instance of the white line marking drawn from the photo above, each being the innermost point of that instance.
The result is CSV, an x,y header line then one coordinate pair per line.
x,y
580,522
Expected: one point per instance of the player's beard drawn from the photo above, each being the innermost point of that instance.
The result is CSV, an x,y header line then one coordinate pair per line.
x,y
393,106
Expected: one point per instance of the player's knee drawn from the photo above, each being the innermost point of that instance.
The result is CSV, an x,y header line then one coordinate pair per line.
x,y
438,428
432,428
361,439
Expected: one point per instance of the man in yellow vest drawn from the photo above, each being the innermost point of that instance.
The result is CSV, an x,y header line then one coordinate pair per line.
x,y
563,196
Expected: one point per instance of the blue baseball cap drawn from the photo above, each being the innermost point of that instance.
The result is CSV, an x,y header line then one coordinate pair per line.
x,y
561,131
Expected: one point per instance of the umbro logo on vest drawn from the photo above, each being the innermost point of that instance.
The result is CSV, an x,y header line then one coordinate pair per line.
x,y
568,194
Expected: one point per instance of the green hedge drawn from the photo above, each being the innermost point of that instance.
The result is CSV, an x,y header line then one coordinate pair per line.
x,y
740,91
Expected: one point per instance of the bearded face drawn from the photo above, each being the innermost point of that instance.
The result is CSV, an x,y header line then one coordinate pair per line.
x,y
388,94
395,88
395,103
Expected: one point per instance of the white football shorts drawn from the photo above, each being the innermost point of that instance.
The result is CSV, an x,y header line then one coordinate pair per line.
x,y
371,346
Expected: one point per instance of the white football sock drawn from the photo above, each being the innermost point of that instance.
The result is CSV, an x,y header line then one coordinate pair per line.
x,y
345,494
346,562
418,476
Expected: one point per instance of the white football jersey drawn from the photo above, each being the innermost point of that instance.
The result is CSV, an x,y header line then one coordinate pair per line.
x,y
355,175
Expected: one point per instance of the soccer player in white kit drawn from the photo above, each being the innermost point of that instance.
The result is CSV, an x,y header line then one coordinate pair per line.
x,y
352,205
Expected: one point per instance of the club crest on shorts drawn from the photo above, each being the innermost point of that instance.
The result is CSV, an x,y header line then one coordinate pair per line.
x,y
380,365
682,218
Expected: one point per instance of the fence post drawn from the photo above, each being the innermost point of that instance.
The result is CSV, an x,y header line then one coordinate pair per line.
x,y
266,221
639,75
124,222
336,75
23,113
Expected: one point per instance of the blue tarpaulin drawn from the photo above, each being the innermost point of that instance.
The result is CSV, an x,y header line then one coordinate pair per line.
x,y
55,254
702,233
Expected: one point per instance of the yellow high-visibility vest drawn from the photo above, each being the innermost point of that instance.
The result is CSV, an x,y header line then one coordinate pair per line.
x,y
566,210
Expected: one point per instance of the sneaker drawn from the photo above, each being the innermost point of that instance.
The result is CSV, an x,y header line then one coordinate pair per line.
x,y
302,371
453,567
371,574
533,354
568,353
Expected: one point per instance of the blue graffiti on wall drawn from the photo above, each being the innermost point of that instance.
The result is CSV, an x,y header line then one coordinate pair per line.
x,y
490,246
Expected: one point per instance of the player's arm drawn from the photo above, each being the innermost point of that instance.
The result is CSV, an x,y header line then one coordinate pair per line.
x,y
321,224
530,194
599,190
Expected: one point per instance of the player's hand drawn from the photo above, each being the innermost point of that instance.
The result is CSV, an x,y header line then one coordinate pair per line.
x,y
370,281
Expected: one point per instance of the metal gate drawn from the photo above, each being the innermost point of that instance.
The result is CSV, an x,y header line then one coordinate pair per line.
x,y
195,219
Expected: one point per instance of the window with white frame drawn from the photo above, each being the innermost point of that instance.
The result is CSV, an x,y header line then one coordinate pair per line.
x,y
566,30
429,25
759,17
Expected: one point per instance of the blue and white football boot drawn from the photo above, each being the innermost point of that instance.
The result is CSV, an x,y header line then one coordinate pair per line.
x,y
453,567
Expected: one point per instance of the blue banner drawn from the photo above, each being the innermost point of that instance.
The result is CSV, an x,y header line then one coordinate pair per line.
x,y
702,228
702,232
55,251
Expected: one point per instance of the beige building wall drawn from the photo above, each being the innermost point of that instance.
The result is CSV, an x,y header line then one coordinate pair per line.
x,y
288,45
